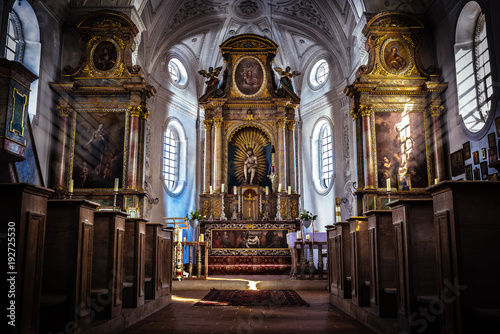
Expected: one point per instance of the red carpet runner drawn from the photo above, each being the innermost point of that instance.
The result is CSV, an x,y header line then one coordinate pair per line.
x,y
254,298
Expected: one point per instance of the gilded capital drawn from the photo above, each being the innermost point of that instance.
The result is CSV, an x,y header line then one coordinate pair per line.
x,y
281,122
354,113
63,111
218,122
365,110
135,111
435,110
207,124
291,124
145,113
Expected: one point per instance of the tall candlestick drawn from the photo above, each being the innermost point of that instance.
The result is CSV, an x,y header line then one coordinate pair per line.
x,y
289,190
202,237
71,182
116,185
279,187
222,188
235,190
388,185
267,190
211,190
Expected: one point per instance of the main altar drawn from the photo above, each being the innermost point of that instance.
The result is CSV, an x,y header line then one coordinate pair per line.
x,y
249,200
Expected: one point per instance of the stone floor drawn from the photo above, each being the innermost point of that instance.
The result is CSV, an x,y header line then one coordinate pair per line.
x,y
181,316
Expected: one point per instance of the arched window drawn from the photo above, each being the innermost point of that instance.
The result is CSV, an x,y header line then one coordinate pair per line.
x,y
14,45
174,158
322,156
473,67
326,155
171,158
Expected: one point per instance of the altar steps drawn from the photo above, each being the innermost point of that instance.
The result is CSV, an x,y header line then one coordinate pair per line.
x,y
247,282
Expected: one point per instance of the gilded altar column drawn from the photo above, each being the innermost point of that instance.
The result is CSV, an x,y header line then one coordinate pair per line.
x,y
365,113
61,158
133,147
435,112
291,154
280,129
218,121
207,124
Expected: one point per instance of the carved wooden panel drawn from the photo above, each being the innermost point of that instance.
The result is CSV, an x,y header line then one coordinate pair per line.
x,y
83,297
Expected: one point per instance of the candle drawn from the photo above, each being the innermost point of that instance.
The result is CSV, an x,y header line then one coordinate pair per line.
x,y
71,182
116,185
211,190
307,236
184,239
279,187
235,190
436,180
179,235
202,237
267,190
388,184
298,235
222,188
272,169
289,190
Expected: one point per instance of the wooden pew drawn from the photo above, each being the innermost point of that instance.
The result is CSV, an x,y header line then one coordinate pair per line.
x,y
134,262
158,261
24,211
467,223
360,262
382,263
415,250
68,264
339,253
107,263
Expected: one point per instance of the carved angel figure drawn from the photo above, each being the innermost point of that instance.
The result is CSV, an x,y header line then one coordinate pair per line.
x,y
286,76
211,75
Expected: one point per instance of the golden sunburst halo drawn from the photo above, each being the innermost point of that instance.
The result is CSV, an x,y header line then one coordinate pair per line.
x,y
254,138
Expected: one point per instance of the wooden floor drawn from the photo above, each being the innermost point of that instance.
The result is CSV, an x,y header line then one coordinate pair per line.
x,y
182,317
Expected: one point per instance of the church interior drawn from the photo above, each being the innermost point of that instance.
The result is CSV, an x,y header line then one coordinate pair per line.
x,y
345,151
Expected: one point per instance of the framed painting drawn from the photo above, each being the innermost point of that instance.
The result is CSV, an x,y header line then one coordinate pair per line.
x,y
484,170
497,125
466,148
468,173
475,157
492,155
258,238
483,153
401,148
457,163
98,149
493,177
104,56
491,140
395,55
477,174
249,76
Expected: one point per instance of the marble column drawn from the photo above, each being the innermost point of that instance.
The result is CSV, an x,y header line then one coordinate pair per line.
x,y
291,155
365,113
142,148
133,147
281,151
437,142
218,122
61,157
208,155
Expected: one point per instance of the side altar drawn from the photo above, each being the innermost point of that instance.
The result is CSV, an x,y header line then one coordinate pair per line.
x,y
249,197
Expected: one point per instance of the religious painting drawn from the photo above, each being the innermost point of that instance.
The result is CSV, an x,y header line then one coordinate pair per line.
x,y
475,157
492,155
466,148
259,238
395,56
477,174
483,153
457,162
484,170
98,149
104,56
491,140
401,149
497,125
493,177
249,76
468,173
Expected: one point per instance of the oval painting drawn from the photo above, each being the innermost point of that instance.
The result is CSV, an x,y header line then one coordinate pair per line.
x,y
248,76
104,56
395,56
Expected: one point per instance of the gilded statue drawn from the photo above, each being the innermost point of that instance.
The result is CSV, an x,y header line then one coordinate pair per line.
x,y
211,75
286,76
